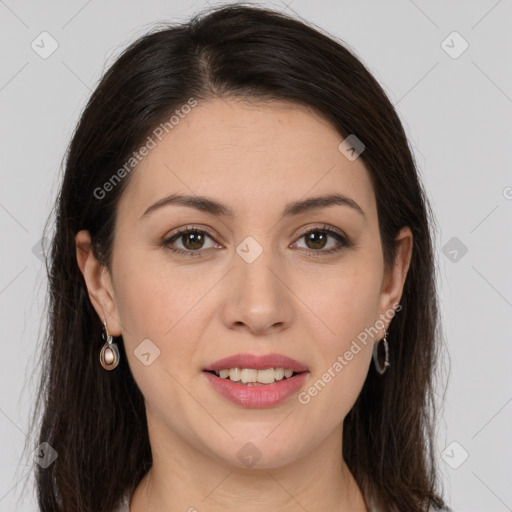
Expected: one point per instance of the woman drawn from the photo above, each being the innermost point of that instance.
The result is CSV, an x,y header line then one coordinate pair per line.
x,y
243,305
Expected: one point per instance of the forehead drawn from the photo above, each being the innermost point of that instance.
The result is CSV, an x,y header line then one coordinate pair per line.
x,y
251,155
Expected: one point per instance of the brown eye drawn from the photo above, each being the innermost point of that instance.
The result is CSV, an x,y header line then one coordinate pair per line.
x,y
316,241
192,242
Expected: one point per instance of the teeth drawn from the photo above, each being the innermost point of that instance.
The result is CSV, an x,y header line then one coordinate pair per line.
x,y
247,376
252,376
279,373
234,374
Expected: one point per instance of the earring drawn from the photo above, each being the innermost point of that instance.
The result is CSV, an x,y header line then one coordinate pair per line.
x,y
379,368
109,355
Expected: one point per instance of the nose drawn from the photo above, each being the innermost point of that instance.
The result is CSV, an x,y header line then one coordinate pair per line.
x,y
258,298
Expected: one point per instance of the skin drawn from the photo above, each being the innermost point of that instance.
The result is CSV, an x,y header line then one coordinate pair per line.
x,y
254,158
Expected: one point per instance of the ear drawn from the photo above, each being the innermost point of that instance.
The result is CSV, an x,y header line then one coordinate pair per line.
x,y
99,284
394,278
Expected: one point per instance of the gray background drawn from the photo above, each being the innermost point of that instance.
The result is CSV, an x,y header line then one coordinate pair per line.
x,y
456,110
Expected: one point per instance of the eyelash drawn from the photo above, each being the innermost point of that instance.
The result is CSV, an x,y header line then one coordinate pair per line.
x,y
345,242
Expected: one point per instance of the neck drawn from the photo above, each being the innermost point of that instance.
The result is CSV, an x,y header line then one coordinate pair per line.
x,y
184,479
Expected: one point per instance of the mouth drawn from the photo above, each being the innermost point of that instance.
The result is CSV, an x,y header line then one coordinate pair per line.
x,y
255,368
257,381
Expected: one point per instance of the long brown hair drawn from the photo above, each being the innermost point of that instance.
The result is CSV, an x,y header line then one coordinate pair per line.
x,y
95,420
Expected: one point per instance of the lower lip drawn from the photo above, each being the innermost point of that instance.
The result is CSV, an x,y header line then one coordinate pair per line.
x,y
257,397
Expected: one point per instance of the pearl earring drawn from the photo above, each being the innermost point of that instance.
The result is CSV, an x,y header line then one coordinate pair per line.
x,y
109,355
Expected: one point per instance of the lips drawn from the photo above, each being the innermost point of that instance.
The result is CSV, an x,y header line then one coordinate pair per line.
x,y
257,362
257,395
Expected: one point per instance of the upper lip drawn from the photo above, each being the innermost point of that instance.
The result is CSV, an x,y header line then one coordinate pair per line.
x,y
257,362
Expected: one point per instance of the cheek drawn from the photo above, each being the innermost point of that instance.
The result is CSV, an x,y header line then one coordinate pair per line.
x,y
163,304
150,295
348,303
347,307
343,350
156,310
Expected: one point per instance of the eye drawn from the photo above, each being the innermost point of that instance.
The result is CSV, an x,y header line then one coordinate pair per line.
x,y
192,240
316,240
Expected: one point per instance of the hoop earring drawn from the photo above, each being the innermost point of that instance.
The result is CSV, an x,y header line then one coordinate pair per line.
x,y
378,367
109,355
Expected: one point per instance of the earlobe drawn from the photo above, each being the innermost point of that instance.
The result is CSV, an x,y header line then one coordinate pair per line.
x,y
98,282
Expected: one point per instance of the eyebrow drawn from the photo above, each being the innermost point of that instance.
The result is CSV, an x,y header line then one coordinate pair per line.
x,y
208,205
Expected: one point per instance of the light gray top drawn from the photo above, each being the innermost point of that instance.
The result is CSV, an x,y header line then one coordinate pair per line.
x,y
124,506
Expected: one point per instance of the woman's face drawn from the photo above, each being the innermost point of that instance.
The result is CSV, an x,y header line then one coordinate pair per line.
x,y
251,282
